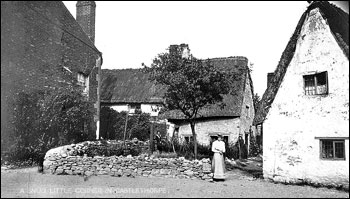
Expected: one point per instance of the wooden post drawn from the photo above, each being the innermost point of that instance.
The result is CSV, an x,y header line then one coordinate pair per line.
x,y
151,144
126,125
239,148
98,102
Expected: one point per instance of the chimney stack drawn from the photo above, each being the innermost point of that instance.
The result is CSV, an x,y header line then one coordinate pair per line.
x,y
86,12
269,78
173,49
181,49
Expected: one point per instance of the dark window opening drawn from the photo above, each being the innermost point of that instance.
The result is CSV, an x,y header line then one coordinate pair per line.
x,y
135,108
188,139
213,138
247,111
332,149
316,84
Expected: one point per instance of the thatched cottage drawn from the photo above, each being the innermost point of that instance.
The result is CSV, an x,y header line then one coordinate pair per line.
x,y
233,120
304,112
130,90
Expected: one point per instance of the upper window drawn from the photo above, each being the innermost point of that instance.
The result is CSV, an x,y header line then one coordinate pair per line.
x,y
135,108
247,111
332,149
316,84
83,81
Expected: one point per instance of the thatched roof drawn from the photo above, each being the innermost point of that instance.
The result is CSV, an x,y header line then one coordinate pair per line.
x,y
133,86
129,86
236,65
338,22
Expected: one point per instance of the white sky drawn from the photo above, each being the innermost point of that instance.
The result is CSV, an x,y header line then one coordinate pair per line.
x,y
131,33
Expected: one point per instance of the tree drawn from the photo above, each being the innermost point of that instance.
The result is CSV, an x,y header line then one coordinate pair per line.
x,y
190,85
113,125
256,100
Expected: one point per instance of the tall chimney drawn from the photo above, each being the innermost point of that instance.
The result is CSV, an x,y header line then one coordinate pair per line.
x,y
181,49
173,49
86,11
269,78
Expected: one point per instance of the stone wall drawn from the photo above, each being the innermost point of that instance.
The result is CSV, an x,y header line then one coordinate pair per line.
x,y
128,166
247,112
63,161
205,127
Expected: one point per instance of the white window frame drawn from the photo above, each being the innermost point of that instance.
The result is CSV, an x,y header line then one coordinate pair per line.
x,y
316,86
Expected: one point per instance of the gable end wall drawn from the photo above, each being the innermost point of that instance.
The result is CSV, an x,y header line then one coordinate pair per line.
x,y
291,151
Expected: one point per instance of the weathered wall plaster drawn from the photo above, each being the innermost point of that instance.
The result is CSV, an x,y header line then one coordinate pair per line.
x,y
291,151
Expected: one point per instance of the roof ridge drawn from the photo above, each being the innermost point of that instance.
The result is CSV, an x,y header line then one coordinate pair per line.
x,y
228,58
119,69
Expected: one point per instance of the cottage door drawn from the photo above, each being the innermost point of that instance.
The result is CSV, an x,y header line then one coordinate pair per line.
x,y
246,141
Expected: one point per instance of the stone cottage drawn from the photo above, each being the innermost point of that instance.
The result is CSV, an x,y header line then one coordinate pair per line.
x,y
130,90
234,120
43,47
304,112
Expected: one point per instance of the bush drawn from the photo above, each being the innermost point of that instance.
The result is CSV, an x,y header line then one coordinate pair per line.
x,y
254,148
232,150
184,149
46,119
138,125
103,150
111,148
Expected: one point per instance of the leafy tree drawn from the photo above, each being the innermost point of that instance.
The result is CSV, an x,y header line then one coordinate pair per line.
x,y
191,84
256,100
113,125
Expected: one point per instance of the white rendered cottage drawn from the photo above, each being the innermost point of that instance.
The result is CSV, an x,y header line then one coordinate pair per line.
x,y
304,112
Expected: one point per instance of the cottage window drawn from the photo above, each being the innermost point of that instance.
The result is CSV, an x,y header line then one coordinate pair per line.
x,y
213,138
332,149
316,84
247,111
83,81
188,138
135,108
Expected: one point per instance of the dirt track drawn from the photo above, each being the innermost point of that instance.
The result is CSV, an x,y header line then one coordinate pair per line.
x,y
29,183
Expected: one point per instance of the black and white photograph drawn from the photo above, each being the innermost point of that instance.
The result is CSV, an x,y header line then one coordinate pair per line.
x,y
174,99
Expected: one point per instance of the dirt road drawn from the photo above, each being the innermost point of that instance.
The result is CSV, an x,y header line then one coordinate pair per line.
x,y
29,183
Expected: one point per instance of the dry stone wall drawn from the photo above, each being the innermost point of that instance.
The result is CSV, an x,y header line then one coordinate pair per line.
x,y
60,161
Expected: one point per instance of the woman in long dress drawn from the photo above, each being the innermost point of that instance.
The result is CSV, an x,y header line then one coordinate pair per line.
x,y
218,163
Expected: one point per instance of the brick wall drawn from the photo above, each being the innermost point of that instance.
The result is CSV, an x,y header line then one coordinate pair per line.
x,y
38,41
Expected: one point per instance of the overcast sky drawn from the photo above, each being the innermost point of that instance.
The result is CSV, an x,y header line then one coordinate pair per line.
x,y
130,33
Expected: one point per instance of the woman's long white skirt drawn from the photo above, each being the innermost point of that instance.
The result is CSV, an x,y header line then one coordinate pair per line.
x,y
218,166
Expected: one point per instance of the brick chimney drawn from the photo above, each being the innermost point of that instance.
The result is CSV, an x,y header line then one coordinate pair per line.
x,y
181,49
269,78
86,11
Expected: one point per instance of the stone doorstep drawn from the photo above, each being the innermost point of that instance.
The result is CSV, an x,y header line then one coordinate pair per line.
x,y
281,180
